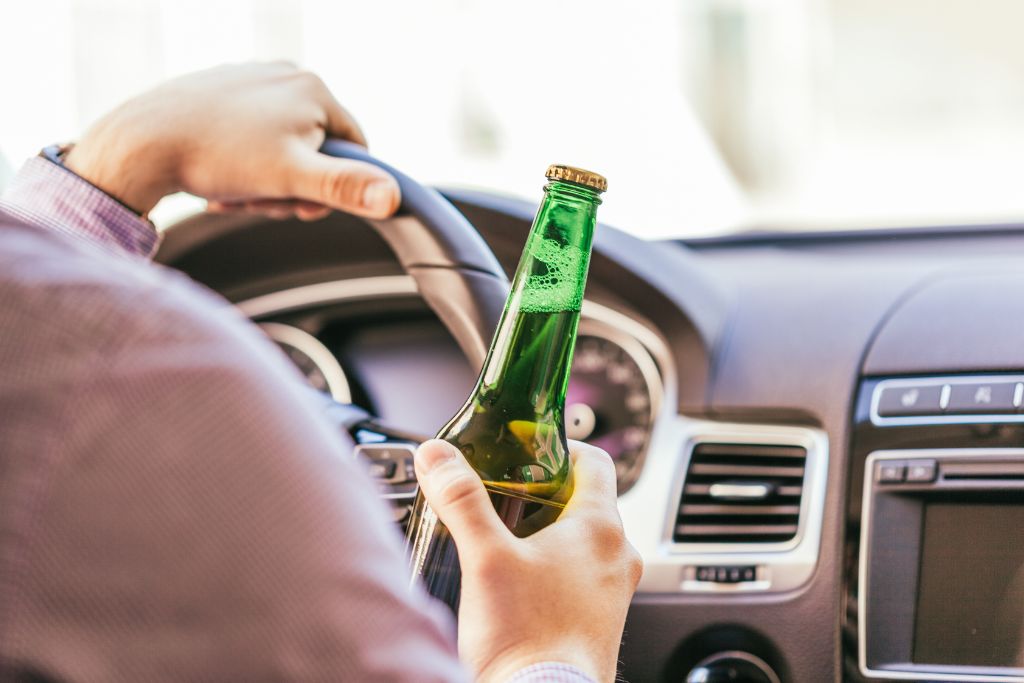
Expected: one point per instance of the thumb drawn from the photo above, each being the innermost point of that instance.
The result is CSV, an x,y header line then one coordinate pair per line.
x,y
456,494
345,184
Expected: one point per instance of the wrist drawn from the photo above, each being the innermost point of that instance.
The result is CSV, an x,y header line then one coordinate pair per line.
x,y
136,173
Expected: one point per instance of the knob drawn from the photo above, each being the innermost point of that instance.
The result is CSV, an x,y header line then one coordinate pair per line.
x,y
732,667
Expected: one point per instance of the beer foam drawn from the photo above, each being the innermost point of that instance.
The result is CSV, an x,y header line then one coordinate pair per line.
x,y
560,287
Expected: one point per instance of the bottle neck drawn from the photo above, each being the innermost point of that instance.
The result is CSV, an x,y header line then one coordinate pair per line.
x,y
532,349
552,272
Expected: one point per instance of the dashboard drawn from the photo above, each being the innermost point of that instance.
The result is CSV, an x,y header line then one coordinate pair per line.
x,y
408,371
808,429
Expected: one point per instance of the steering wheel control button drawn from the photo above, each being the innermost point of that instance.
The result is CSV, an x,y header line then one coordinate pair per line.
x,y
389,463
989,398
891,472
383,469
726,574
911,400
921,471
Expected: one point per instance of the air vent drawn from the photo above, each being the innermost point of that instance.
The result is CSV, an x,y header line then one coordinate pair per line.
x,y
741,493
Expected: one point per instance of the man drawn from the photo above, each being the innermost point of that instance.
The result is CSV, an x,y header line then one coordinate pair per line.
x,y
172,506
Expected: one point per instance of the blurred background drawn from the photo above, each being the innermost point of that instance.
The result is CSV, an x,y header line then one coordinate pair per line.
x,y
708,116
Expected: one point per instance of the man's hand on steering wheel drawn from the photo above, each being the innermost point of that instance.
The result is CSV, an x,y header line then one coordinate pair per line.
x,y
252,150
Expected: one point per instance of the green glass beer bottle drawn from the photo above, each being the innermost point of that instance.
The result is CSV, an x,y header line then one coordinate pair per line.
x,y
511,428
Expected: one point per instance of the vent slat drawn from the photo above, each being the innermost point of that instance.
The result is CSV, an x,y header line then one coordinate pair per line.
x,y
772,518
704,489
750,449
736,530
703,469
721,509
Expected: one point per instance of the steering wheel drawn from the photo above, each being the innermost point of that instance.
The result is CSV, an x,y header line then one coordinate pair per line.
x,y
455,271
458,277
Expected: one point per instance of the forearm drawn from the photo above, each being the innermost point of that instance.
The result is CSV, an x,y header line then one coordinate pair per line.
x,y
47,195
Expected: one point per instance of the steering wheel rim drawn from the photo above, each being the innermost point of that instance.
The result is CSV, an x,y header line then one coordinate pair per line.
x,y
454,270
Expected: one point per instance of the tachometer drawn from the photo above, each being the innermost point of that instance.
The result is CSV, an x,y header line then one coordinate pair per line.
x,y
314,360
613,397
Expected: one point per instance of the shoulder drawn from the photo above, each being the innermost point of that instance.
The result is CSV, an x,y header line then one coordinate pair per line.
x,y
65,295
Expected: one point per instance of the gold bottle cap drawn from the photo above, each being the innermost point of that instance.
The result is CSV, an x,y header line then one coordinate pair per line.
x,y
579,176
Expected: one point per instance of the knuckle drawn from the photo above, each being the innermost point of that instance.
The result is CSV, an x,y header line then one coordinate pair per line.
x,y
603,461
634,565
598,460
614,550
310,80
608,536
459,490
345,188
592,452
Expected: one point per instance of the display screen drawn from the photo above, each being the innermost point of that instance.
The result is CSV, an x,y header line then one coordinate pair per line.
x,y
970,601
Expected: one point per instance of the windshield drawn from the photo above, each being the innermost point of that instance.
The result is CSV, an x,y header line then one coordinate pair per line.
x,y
707,116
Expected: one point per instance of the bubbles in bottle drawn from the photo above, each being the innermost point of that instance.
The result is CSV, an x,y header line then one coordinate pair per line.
x,y
556,288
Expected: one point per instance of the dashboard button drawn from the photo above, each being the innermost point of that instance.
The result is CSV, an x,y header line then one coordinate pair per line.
x,y
921,471
988,398
382,469
891,472
910,400
390,463
726,574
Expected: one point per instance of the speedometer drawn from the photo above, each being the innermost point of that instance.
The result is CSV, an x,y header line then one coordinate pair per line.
x,y
612,400
613,397
314,360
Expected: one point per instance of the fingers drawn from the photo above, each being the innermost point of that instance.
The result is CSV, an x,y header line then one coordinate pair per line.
x,y
457,495
272,208
351,186
594,484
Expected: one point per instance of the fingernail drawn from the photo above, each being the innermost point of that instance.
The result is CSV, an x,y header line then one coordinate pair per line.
x,y
434,453
378,195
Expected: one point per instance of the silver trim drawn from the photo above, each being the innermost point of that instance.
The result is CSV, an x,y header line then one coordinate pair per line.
x,y
337,382
356,289
610,325
649,511
947,383
921,673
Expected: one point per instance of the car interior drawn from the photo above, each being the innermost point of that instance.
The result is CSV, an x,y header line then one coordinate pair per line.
x,y
814,403
817,435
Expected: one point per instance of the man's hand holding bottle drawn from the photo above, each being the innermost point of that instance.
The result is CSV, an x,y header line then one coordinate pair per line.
x,y
560,594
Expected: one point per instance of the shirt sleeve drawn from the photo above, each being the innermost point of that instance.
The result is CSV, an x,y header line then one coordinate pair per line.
x,y
550,672
51,196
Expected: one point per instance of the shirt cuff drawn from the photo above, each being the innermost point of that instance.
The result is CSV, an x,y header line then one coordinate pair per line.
x,y
50,196
550,672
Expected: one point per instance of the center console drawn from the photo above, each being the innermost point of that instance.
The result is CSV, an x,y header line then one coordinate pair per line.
x,y
935,588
